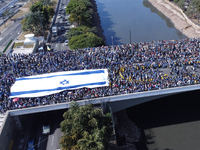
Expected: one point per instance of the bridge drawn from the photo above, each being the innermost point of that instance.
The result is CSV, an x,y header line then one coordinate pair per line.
x,y
115,104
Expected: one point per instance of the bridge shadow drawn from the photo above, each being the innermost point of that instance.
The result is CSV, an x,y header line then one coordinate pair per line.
x,y
107,25
171,110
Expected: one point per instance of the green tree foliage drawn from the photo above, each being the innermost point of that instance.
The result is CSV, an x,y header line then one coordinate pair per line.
x,y
50,11
176,1
39,7
85,40
193,8
31,23
80,30
80,12
181,4
84,128
73,32
84,35
39,11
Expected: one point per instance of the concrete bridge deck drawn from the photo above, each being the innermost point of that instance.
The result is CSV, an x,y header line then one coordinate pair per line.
x,y
117,103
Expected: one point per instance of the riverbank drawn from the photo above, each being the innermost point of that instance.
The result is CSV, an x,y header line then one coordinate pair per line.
x,y
97,21
178,18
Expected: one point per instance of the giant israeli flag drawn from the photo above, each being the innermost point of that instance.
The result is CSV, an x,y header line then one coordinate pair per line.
x,y
46,84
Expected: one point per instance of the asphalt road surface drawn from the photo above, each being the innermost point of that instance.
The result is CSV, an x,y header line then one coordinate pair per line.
x,y
55,44
32,125
12,32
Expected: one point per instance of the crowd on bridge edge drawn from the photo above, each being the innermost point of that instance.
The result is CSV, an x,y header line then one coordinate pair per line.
x,y
132,68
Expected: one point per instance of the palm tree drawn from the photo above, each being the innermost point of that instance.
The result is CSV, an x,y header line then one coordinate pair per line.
x,y
84,128
90,142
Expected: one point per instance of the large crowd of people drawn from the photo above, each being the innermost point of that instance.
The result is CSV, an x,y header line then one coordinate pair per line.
x,y
132,68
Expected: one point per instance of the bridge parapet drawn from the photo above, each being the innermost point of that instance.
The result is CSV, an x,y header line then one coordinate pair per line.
x,y
142,96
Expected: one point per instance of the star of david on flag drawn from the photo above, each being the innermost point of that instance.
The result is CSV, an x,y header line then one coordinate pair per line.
x,y
64,82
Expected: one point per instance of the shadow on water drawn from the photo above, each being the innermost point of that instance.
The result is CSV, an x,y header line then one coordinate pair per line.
x,y
107,25
171,110
153,9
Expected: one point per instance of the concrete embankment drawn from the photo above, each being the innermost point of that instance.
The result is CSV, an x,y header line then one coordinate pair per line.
x,y
178,18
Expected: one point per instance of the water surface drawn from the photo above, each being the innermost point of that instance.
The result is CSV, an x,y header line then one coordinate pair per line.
x,y
119,18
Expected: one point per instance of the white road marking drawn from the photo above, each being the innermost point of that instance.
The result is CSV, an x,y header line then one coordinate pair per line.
x,y
6,41
11,33
52,140
39,142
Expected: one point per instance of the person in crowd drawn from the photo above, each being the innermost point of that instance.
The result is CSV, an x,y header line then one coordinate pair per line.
x,y
136,67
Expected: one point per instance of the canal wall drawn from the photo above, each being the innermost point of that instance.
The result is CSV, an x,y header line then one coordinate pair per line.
x,y
178,18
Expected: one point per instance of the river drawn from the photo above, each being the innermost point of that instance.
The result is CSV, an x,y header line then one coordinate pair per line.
x,y
130,21
170,123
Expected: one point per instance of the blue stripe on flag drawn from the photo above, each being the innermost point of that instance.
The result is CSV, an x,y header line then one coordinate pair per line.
x,y
58,88
70,74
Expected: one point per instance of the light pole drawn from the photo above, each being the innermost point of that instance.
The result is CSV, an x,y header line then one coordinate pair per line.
x,y
112,42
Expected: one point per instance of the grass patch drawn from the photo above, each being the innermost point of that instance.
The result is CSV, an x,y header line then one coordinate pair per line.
x,y
22,44
29,46
18,44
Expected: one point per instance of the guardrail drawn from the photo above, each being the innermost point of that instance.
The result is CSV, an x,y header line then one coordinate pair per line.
x,y
7,46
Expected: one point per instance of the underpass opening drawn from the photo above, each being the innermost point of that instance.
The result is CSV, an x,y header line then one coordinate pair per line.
x,y
32,126
172,122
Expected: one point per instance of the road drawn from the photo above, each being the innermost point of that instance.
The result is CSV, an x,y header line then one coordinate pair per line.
x,y
33,129
55,45
14,30
11,32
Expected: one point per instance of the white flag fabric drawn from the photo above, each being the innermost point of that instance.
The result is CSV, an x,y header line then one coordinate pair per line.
x,y
46,84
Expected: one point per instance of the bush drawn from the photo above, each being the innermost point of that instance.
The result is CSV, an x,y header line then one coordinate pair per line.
x,y
85,40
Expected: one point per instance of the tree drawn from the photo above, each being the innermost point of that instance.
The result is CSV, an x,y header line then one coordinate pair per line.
x,y
181,4
31,23
39,7
91,141
80,12
193,8
85,40
84,128
80,30
50,11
